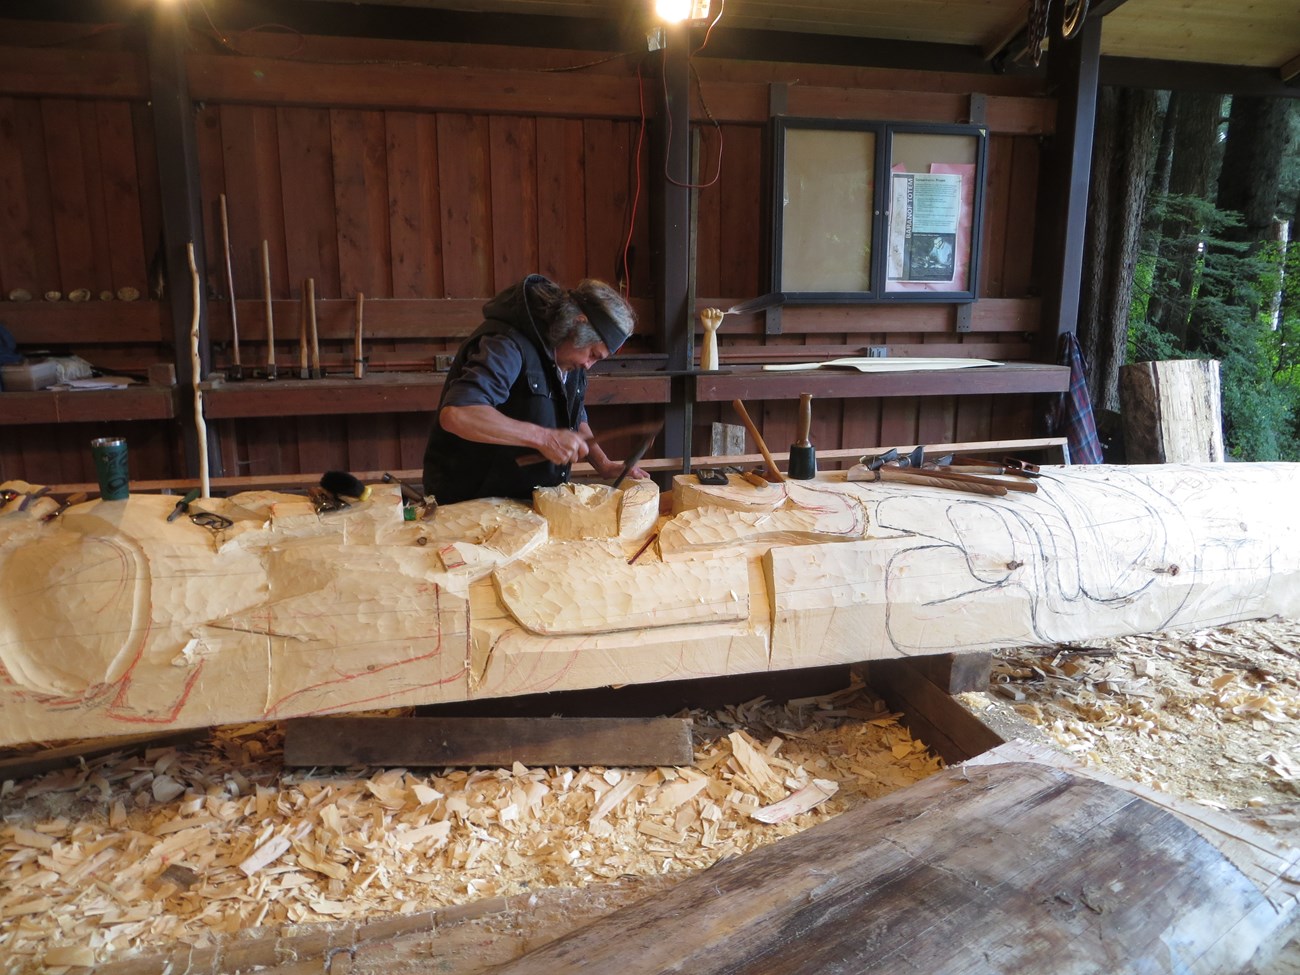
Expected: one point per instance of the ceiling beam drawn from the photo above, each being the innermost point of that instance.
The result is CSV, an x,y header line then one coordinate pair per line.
x,y
1291,69
1219,79
1013,40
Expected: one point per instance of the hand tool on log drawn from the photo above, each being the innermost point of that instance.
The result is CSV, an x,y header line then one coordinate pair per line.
x,y
341,484
756,479
183,505
236,370
270,316
803,458
773,471
40,492
68,502
900,475
523,460
635,458
642,550
1025,487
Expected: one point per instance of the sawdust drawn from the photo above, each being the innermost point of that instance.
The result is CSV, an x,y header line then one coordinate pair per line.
x,y
1211,715
123,855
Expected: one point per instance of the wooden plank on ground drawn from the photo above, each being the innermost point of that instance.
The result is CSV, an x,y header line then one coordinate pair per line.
x,y
1011,868
930,712
25,765
487,741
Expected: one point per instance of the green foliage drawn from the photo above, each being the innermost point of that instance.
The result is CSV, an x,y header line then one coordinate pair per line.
x,y
1224,320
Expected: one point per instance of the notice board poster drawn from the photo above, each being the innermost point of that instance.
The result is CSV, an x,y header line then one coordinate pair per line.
x,y
924,218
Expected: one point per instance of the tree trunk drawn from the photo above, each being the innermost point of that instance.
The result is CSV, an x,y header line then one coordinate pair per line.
x,y
1123,153
1196,124
1250,184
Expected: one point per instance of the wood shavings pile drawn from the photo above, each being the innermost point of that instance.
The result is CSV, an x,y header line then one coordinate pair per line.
x,y
1211,715
123,854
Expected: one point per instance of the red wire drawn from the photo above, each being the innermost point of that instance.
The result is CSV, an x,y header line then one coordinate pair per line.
x,y
636,197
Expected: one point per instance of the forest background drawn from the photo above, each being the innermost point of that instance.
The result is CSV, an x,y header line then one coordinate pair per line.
x,y
1193,198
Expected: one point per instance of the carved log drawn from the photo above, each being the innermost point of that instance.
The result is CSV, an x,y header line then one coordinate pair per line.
x,y
111,617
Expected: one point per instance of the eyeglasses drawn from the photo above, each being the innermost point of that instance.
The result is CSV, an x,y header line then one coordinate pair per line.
x,y
211,520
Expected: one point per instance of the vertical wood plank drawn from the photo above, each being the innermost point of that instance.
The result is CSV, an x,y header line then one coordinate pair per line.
x,y
1019,271
212,183
743,206
311,239
708,224
18,257
67,171
415,239
128,262
561,195
146,163
466,225
251,158
974,419
997,206
935,422
898,421
608,203
513,166
861,423
96,226
361,202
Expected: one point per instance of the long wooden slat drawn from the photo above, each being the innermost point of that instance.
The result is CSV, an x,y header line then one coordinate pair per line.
x,y
389,393
88,405
1003,868
39,324
250,150
755,384
987,315
487,741
72,73
411,86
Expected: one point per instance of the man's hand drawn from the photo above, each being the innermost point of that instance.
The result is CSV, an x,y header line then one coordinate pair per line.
x,y
609,469
563,447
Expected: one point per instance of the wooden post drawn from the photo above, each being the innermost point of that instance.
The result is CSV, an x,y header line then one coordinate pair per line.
x,y
1172,412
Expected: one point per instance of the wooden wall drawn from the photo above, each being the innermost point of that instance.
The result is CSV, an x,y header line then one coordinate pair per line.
x,y
428,177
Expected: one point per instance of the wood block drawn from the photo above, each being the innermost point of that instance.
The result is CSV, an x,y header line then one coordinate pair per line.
x,y
162,374
955,673
1024,867
491,742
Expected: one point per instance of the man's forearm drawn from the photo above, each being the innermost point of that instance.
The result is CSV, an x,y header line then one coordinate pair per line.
x,y
487,424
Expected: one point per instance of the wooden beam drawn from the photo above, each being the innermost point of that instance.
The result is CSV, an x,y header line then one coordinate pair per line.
x,y
1025,867
930,712
491,741
181,205
88,406
48,73
41,324
1073,69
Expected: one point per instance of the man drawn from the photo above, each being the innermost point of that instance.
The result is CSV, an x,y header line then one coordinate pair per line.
x,y
516,387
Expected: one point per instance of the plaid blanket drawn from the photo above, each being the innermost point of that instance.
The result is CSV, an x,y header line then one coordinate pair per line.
x,y
1073,418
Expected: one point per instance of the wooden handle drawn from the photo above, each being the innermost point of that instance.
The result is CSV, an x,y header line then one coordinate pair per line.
x,y
311,325
758,439
805,420
358,361
902,476
266,299
1026,487
302,332
230,281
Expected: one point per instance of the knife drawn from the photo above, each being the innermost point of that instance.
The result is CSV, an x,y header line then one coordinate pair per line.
x,y
183,505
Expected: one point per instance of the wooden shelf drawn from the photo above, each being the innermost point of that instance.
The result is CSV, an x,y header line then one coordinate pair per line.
x,y
754,383
87,405
393,392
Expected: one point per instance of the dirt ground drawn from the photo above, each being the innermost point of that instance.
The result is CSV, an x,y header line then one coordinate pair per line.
x,y
122,859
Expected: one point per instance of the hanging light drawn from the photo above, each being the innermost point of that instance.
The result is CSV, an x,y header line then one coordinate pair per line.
x,y
675,11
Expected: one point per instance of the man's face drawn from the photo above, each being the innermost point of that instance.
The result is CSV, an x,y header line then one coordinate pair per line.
x,y
569,356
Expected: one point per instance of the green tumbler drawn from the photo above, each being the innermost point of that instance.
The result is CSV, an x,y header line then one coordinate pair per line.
x,y
111,467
